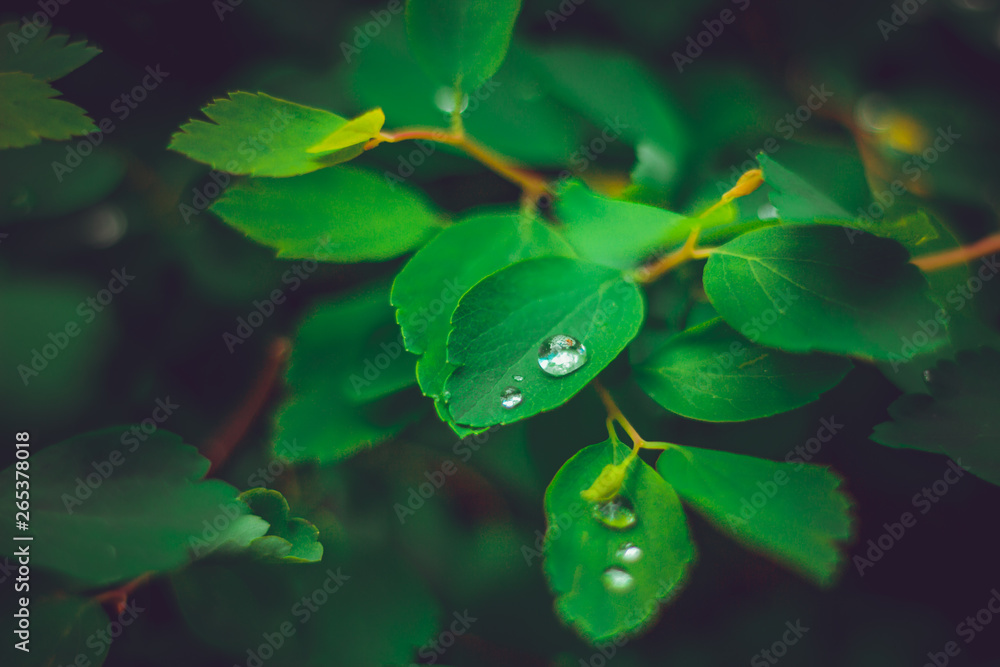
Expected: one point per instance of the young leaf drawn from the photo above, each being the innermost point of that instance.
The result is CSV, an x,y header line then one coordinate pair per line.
x,y
336,215
260,135
612,565
711,372
958,418
44,57
619,234
461,42
28,113
287,539
359,130
809,287
112,506
792,512
427,290
500,325
347,365
816,183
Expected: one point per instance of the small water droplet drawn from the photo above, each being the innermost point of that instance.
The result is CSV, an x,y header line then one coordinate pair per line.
x,y
518,378
511,397
928,377
444,99
446,395
561,355
617,580
628,553
615,514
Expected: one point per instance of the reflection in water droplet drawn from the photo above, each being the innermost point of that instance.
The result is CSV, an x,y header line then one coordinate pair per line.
x,y
446,395
617,580
444,99
561,355
511,397
928,377
518,378
615,514
628,553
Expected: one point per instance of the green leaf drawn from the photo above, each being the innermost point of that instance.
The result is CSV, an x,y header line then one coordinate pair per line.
x,y
260,135
958,418
580,546
112,505
619,234
501,323
60,629
812,287
347,366
44,57
359,130
336,215
816,183
712,373
427,290
461,42
289,539
28,113
791,512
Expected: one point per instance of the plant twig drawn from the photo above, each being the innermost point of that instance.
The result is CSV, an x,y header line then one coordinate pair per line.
x,y
117,598
614,413
942,260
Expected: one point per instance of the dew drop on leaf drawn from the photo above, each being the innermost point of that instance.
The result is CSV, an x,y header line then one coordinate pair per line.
x,y
511,397
617,580
444,99
561,355
615,514
628,553
518,378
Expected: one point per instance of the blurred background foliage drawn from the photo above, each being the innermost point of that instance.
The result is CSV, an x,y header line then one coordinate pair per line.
x,y
572,67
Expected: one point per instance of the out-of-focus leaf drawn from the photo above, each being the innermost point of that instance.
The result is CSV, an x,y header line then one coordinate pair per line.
x,y
28,113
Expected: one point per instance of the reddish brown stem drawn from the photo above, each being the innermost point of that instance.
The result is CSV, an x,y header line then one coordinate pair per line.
x,y
942,260
117,598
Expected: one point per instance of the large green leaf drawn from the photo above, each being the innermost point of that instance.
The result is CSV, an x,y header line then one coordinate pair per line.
x,y
958,418
336,215
792,512
501,323
115,503
44,57
612,565
28,113
260,135
810,287
617,233
427,290
461,42
347,365
711,372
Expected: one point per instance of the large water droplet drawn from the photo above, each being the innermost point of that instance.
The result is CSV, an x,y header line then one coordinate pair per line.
x,y
628,553
511,397
444,99
615,514
617,580
561,355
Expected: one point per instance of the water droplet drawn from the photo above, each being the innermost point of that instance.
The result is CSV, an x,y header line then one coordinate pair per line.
x,y
928,377
518,378
617,580
444,99
511,397
615,514
628,553
446,395
561,355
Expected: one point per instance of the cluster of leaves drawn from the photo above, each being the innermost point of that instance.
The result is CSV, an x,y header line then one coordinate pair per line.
x,y
794,300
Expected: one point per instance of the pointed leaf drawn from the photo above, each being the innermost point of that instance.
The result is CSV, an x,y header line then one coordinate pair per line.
x,y
501,323
336,215
356,131
113,506
711,372
958,418
427,290
260,135
28,113
44,57
580,547
461,42
792,512
810,287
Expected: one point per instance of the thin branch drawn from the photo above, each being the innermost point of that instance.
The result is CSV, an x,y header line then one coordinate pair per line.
x,y
942,260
